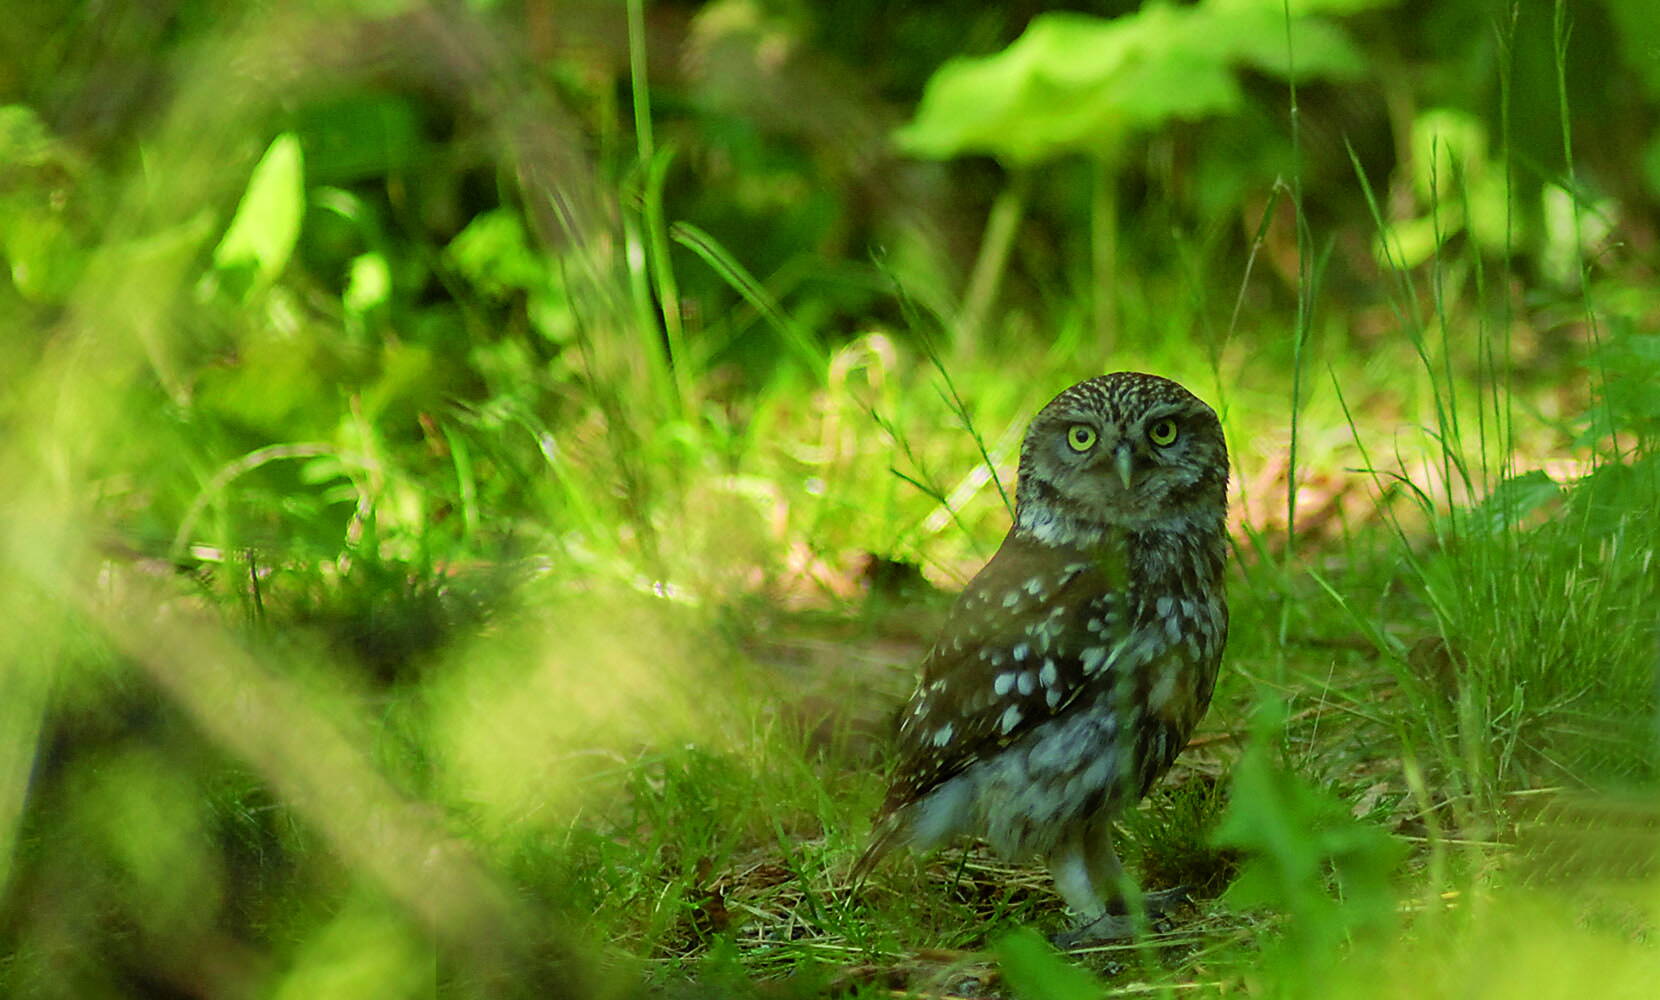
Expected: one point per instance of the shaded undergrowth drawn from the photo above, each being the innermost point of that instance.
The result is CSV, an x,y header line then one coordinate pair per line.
x,y
455,612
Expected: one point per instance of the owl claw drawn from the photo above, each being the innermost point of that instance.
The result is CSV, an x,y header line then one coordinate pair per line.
x,y
1106,927
1157,904
1115,924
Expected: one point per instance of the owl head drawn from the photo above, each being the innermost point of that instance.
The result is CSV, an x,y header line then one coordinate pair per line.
x,y
1126,451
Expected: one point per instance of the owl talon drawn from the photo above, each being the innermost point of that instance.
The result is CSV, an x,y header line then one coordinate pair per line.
x,y
1157,904
1116,924
1102,929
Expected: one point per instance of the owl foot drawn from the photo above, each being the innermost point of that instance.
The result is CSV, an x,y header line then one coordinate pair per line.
x,y
1106,927
1116,924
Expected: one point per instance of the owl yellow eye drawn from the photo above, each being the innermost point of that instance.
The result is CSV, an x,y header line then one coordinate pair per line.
x,y
1081,437
1162,433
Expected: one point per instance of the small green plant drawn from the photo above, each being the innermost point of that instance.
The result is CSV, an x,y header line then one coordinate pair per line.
x,y
1034,971
450,518
1305,857
1076,84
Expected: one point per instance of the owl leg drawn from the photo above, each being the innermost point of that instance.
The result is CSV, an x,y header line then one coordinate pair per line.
x,y
1070,868
1088,876
1119,907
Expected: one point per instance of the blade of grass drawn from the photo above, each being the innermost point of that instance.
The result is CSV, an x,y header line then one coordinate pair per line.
x,y
949,393
1561,31
1002,223
648,258
805,346
1301,328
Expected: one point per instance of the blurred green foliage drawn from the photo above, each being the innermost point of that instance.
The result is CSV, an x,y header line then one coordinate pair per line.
x,y
1306,856
410,469
1073,83
1035,972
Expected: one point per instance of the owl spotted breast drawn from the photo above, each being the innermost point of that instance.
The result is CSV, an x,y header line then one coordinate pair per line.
x,y
1074,667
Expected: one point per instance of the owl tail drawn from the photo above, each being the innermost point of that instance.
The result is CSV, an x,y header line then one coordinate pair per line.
x,y
883,839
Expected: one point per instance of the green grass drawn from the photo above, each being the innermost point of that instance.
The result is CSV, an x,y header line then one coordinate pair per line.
x,y
510,645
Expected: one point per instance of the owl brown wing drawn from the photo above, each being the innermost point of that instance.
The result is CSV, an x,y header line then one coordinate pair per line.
x,y
1033,629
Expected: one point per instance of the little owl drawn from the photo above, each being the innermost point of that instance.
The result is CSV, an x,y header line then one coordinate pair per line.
x,y
1074,667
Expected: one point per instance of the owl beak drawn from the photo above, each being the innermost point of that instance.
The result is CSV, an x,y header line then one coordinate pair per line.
x,y
1121,463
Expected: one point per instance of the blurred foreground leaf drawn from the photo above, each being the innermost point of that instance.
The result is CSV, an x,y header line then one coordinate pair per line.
x,y
262,234
1516,498
1301,844
1074,83
1035,971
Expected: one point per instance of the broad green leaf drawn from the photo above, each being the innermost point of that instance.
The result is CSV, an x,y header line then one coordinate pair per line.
x,y
1071,83
359,136
146,817
1310,49
282,384
494,254
37,243
25,141
1602,502
1637,24
364,950
407,372
1651,166
263,232
1641,349
1295,836
42,253
1035,971
1410,242
369,284
1447,145
1628,366
1517,497
1493,224
1300,8
1074,83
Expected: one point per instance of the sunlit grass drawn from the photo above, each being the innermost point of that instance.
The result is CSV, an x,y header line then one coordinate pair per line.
x,y
359,647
